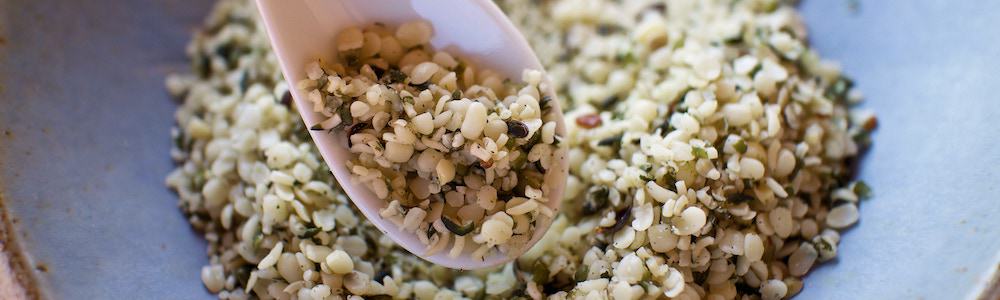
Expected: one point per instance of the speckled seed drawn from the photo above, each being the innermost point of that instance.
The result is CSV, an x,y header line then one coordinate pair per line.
x,y
661,239
842,216
773,290
624,237
496,231
494,128
826,247
833,235
445,171
732,243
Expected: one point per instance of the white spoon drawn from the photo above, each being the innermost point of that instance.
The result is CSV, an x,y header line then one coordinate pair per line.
x,y
302,31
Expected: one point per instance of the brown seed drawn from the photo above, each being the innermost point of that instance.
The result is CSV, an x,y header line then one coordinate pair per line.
x,y
870,124
589,121
517,129
486,164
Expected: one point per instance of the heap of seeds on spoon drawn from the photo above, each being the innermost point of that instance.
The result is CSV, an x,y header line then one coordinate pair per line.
x,y
458,153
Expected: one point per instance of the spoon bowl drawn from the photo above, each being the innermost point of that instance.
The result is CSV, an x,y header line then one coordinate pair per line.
x,y
302,31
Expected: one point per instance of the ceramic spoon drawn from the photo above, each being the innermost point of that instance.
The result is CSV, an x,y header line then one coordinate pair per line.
x,y
302,31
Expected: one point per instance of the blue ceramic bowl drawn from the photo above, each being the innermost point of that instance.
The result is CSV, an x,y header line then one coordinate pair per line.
x,y
85,121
